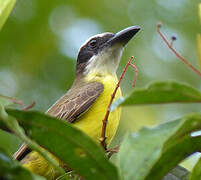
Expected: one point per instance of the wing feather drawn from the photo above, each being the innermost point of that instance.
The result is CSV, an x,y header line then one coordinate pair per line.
x,y
72,105
69,107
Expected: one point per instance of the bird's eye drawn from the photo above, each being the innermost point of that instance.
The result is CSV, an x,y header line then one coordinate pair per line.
x,y
93,43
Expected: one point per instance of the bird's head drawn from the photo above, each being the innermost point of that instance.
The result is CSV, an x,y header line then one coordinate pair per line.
x,y
101,53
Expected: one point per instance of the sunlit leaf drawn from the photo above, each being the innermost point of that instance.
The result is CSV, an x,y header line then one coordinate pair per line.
x,y
196,172
5,8
161,93
153,152
67,143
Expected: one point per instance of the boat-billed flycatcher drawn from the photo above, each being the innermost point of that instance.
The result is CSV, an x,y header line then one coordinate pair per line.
x,y
85,104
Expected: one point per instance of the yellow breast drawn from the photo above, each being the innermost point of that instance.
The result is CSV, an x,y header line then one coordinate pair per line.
x,y
91,121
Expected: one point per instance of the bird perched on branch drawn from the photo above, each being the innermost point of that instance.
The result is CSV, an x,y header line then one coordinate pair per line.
x,y
85,104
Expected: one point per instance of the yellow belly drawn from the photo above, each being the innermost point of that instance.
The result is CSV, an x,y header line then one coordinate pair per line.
x,y
91,121
37,164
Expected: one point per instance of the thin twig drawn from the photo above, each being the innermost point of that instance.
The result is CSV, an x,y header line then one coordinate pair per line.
x,y
136,73
29,106
176,53
19,102
112,151
103,133
13,100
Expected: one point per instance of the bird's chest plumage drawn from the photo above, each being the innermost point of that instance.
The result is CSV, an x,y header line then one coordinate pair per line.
x,y
91,121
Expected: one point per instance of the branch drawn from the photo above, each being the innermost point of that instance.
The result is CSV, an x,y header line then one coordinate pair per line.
x,y
29,106
19,102
175,52
104,126
112,151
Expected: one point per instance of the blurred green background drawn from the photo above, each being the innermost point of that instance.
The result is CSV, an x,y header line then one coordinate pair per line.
x,y
40,41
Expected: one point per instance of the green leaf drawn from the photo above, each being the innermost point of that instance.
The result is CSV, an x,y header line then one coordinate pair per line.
x,y
153,152
13,125
68,143
6,101
5,8
161,92
9,142
11,170
196,172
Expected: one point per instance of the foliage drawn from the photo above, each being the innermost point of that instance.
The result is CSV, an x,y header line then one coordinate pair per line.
x,y
135,161
78,151
163,142
151,153
161,93
11,170
196,172
5,9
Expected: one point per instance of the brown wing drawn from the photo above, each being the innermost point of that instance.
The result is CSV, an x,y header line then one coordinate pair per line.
x,y
76,102
69,107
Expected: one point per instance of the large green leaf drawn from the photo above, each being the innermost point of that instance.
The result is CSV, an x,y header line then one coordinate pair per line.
x,y
5,8
12,124
68,143
9,142
161,92
153,152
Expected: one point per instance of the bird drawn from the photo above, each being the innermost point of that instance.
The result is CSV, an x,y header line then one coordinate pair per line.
x,y
85,103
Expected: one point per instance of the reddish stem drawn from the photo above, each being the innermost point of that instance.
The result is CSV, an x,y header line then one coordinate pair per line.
x,y
103,133
13,100
136,73
29,106
19,102
112,151
176,53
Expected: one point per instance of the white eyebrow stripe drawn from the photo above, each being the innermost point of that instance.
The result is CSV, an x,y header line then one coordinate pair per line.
x,y
97,35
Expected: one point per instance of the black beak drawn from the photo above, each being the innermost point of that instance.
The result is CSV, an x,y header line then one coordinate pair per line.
x,y
124,36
